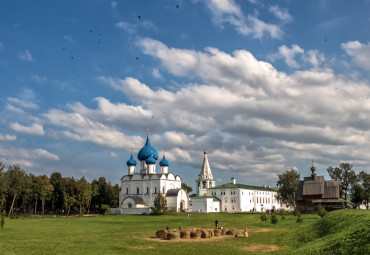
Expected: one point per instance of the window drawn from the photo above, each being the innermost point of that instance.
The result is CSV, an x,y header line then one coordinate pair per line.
x,y
126,190
147,190
137,190
163,190
155,190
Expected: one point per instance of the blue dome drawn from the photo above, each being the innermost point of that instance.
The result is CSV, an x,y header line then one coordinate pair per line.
x,y
164,162
131,161
147,151
150,160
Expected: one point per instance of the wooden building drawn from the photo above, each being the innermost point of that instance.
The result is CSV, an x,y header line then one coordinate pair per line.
x,y
314,190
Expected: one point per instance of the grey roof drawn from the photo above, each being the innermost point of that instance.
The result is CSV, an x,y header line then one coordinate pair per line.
x,y
298,194
138,200
313,187
331,189
172,192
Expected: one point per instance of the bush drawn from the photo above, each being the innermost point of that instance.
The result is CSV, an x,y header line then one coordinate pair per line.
x,y
274,219
321,211
264,217
105,208
2,220
295,211
282,214
299,217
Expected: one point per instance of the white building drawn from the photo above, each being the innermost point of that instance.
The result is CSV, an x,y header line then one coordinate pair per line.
x,y
139,189
231,197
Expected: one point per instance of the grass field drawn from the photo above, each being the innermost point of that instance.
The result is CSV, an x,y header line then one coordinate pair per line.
x,y
130,234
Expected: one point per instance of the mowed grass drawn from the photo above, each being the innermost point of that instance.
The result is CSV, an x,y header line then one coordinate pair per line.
x,y
134,234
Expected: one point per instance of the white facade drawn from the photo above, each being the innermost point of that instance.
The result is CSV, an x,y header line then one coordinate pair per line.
x,y
245,198
139,190
230,197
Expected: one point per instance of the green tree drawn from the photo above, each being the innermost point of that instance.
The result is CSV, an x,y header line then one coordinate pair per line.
x,y
3,187
364,179
69,193
282,214
357,195
160,204
264,217
287,184
321,211
46,190
2,220
299,217
57,201
345,175
187,188
274,219
105,208
83,194
17,179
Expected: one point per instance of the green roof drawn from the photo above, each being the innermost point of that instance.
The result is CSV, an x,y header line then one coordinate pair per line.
x,y
242,186
200,197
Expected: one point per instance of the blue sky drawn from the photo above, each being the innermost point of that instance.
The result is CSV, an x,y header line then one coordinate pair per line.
x,y
263,85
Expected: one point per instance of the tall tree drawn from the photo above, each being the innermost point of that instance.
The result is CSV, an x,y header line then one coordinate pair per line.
x,y
46,190
187,188
69,193
287,184
57,202
3,187
345,175
83,195
364,179
17,181
357,194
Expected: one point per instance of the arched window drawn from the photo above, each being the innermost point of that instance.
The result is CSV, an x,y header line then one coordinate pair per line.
x,y
155,190
126,190
137,190
129,205
147,190
163,190
204,184
210,184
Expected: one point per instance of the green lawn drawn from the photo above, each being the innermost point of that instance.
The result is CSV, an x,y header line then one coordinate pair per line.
x,y
129,234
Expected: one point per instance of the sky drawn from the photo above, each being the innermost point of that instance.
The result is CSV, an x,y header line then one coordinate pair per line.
x,y
263,86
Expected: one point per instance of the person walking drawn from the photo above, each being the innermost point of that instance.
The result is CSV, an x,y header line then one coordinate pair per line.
x,y
245,232
216,223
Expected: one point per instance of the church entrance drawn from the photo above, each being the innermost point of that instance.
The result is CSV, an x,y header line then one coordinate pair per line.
x,y
182,206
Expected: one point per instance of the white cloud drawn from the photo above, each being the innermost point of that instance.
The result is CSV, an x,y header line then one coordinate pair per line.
x,y
228,12
113,4
312,57
8,137
34,129
25,55
22,103
38,79
157,74
359,52
282,14
68,38
133,28
13,108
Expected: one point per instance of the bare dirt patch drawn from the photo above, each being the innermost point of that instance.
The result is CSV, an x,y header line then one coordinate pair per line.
x,y
141,247
258,230
213,239
262,248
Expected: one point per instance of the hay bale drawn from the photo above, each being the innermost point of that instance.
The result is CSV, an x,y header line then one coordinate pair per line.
x,y
195,234
173,235
185,234
204,233
217,232
161,233
211,234
234,232
224,231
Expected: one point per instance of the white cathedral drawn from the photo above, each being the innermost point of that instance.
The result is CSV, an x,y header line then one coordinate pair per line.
x,y
139,189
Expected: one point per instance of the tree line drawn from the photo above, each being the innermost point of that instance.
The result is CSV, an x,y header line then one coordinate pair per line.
x,y
26,193
355,187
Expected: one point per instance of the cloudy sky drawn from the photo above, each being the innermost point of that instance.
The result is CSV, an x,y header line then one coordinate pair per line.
x,y
263,85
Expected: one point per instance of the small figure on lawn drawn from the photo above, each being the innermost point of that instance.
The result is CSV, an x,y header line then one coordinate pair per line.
x,y
245,232
216,223
168,229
